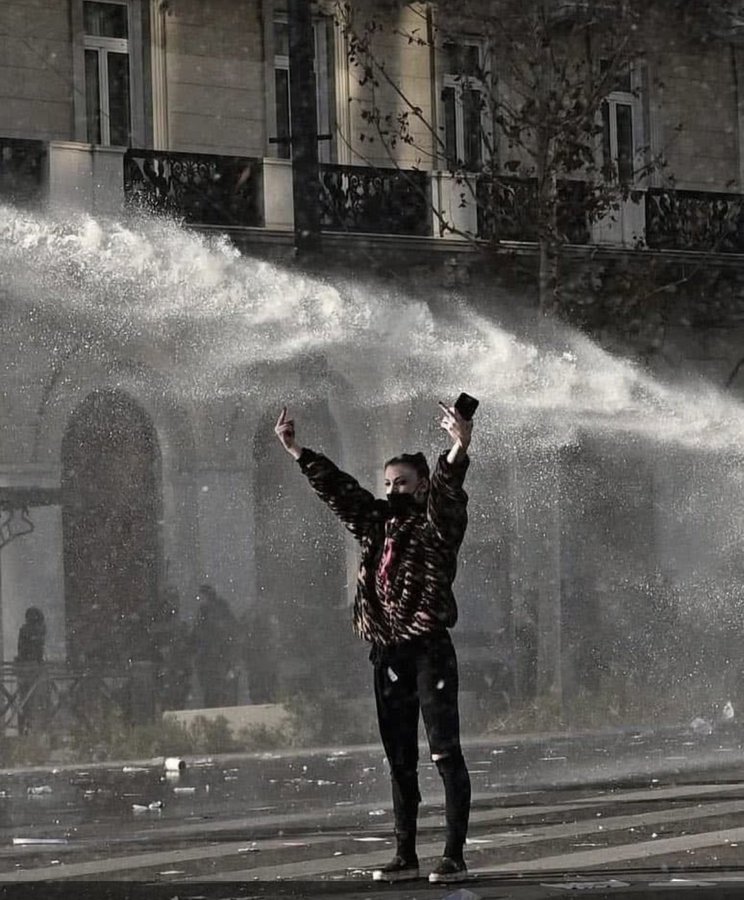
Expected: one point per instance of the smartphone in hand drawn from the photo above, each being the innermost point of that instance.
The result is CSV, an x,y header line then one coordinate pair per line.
x,y
466,406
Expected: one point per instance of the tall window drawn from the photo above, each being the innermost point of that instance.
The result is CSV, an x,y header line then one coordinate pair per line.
x,y
323,90
619,126
463,105
107,75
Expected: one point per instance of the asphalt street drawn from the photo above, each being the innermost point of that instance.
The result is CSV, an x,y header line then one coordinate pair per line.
x,y
612,807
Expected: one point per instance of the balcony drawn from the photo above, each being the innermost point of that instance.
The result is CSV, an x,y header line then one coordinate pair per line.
x,y
570,11
255,195
704,222
360,199
507,210
198,188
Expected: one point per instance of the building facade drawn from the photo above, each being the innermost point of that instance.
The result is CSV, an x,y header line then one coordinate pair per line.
x,y
131,484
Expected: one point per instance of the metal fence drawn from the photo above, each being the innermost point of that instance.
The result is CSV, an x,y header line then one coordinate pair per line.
x,y
199,188
695,220
508,210
55,697
376,201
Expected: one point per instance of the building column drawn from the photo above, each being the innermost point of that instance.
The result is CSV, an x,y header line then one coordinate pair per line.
x,y
737,72
304,126
159,66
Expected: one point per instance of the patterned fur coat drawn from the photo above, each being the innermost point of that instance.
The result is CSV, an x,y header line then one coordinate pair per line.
x,y
420,598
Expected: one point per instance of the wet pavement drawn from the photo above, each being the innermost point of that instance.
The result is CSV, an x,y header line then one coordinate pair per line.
x,y
621,804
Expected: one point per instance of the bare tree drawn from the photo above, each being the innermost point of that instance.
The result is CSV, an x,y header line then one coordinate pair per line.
x,y
531,80
530,85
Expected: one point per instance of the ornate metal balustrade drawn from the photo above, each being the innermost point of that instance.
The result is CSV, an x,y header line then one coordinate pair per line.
x,y
57,697
201,189
508,210
695,220
22,167
377,201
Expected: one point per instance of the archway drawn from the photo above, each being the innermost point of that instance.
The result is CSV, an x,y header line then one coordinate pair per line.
x,y
111,506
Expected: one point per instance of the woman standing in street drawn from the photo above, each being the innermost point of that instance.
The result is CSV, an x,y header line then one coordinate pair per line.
x,y
404,606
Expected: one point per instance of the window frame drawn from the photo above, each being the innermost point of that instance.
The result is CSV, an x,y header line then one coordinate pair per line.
x,y
102,47
140,129
633,98
324,86
461,84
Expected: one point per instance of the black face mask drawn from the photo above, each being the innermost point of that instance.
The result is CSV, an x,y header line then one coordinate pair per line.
x,y
401,504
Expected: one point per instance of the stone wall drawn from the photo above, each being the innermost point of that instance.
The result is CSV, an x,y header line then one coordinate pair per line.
x,y
215,77
36,84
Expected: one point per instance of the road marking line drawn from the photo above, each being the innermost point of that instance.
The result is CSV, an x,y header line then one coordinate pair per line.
x,y
324,815
336,864
499,840
671,793
587,858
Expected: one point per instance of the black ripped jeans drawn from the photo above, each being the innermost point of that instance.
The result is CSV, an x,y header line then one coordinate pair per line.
x,y
422,674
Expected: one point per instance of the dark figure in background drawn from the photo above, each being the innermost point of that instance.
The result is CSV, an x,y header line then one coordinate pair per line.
x,y
29,661
32,637
215,645
171,652
404,607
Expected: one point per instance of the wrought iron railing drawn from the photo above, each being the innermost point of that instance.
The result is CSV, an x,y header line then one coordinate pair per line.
x,y
201,189
22,168
572,10
48,696
377,201
695,220
508,210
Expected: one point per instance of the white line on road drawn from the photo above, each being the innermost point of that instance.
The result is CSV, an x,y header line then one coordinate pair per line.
x,y
325,816
571,862
498,840
325,865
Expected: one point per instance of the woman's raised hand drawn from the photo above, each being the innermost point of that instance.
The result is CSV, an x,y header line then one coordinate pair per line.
x,y
458,428
285,431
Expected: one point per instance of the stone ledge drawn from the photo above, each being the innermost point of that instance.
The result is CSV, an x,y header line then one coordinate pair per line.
x,y
258,715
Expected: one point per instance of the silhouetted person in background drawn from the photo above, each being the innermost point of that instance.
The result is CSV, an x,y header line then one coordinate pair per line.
x,y
214,642
32,637
30,658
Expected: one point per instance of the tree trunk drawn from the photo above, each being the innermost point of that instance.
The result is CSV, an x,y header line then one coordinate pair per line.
x,y
547,176
548,244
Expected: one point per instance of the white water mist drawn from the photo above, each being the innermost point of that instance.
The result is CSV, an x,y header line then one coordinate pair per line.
x,y
213,314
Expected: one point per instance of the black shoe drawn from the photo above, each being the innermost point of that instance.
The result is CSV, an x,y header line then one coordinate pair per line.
x,y
448,871
398,869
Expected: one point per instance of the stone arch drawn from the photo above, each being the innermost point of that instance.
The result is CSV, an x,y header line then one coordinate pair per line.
x,y
172,423
73,381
